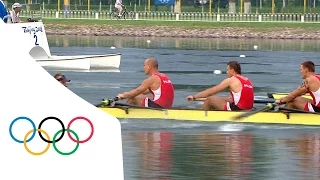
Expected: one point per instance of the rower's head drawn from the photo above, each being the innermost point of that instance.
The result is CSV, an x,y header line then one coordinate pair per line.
x,y
61,78
16,7
307,68
233,68
150,66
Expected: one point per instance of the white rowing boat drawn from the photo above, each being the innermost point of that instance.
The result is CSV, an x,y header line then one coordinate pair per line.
x,y
81,62
78,62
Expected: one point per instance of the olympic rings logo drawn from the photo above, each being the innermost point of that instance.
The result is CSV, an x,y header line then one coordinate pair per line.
x,y
55,139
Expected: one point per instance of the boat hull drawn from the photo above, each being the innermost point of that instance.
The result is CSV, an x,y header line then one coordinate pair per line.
x,y
76,64
105,61
81,62
214,116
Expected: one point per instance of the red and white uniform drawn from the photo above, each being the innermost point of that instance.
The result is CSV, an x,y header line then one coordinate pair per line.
x,y
244,99
316,99
164,95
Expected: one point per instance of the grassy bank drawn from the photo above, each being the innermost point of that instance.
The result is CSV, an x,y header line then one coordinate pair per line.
x,y
188,25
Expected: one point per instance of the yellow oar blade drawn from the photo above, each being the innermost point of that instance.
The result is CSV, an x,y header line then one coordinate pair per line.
x,y
281,95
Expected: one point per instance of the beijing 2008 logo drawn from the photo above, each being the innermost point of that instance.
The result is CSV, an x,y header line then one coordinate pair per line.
x,y
54,139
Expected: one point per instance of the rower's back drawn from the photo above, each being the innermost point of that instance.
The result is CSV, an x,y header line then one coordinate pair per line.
x,y
242,92
314,89
311,81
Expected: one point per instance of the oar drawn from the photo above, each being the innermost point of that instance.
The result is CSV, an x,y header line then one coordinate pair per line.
x,y
297,110
113,103
262,101
136,106
249,113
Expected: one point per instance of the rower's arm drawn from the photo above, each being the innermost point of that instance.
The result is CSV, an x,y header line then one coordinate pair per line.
x,y
139,90
301,90
146,92
214,90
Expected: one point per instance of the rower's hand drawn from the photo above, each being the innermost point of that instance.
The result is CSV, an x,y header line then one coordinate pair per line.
x,y
278,101
190,98
121,96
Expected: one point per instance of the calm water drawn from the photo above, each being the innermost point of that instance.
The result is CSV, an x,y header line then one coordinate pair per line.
x,y
163,149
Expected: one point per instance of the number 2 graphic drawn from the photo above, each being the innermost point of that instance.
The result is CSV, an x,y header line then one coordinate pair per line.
x,y
36,42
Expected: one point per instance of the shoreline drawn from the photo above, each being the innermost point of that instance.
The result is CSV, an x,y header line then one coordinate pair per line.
x,y
181,32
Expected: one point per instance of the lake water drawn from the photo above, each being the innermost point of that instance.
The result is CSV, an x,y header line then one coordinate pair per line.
x,y
163,149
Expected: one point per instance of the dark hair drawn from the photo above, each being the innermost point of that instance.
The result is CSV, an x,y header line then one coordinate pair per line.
x,y
309,65
235,66
57,75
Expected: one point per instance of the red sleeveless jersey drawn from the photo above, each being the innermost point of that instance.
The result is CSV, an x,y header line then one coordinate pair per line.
x,y
244,99
315,95
164,95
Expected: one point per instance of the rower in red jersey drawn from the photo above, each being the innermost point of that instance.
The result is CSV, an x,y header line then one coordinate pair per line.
x,y
157,84
311,85
240,87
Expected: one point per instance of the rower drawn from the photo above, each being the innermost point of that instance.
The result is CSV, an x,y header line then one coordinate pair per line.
x,y
240,87
158,84
62,79
310,84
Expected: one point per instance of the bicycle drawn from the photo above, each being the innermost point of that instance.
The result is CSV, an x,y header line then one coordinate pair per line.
x,y
124,14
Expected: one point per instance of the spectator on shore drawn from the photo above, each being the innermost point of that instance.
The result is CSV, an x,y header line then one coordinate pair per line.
x,y
14,14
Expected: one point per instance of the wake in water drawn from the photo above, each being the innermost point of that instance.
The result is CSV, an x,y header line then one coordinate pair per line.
x,y
190,126
232,127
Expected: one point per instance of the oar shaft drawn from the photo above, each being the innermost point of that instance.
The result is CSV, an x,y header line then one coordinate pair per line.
x,y
297,110
262,101
113,103
136,106
99,105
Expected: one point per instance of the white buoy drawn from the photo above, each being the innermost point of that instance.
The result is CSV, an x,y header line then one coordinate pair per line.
x,y
112,47
148,41
217,71
255,47
242,55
